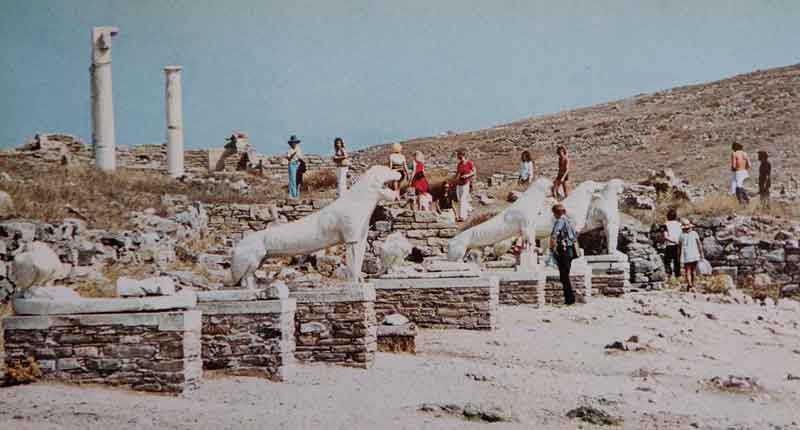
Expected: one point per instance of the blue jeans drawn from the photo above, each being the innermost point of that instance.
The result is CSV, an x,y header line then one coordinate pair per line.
x,y
294,188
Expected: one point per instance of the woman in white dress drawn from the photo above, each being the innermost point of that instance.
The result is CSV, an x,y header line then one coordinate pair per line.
x,y
526,168
691,250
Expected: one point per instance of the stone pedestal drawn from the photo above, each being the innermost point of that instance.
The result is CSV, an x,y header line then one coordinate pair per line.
x,y
245,333
469,303
336,325
610,274
147,351
520,288
397,338
580,278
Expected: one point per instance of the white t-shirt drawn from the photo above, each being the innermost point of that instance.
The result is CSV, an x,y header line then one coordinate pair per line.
x,y
397,159
673,231
298,154
690,252
525,170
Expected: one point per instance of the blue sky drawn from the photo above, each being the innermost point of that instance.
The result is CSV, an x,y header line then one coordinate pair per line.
x,y
369,71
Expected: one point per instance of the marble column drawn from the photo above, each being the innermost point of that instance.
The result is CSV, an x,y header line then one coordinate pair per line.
x,y
103,141
174,121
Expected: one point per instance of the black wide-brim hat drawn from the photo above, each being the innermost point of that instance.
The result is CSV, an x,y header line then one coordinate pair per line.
x,y
293,140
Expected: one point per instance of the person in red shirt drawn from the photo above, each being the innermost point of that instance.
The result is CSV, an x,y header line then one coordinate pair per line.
x,y
465,171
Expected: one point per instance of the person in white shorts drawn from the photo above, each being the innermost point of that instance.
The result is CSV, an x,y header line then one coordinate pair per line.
x,y
740,162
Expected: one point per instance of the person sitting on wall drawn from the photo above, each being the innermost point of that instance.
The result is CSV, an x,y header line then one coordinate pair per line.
x,y
421,188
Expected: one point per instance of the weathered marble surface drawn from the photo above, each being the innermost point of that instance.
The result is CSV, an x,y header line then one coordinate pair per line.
x,y
183,300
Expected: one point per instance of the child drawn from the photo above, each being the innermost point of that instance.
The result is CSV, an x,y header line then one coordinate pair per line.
x,y
691,252
764,177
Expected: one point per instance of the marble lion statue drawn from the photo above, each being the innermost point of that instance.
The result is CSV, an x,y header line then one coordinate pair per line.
x,y
346,220
517,220
590,205
394,251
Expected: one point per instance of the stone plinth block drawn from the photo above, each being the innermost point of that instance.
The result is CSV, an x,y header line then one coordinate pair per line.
x,y
397,338
249,337
580,277
610,273
336,325
518,288
153,351
462,303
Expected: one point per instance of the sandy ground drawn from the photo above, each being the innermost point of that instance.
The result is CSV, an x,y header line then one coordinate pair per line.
x,y
536,367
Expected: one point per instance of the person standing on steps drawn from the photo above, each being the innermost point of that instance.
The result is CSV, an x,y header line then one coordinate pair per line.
x,y
526,169
397,162
562,178
740,162
342,162
671,238
764,177
465,171
295,155
562,246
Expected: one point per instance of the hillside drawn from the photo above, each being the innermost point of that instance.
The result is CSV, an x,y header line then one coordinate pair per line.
x,y
688,129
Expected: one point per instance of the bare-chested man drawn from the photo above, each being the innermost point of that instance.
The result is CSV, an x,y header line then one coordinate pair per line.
x,y
740,162
562,178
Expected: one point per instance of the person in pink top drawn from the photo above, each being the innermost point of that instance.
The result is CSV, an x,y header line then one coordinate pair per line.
x,y
465,171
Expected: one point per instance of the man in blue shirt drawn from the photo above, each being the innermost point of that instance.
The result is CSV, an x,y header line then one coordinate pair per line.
x,y
562,241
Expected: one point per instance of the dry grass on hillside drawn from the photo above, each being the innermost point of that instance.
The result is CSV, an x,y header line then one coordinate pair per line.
x,y
714,205
52,192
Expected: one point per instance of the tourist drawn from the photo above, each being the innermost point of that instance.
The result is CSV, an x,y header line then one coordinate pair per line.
x,y
342,162
397,162
295,155
740,162
444,202
418,172
562,178
691,252
526,169
562,245
764,177
421,189
465,171
671,237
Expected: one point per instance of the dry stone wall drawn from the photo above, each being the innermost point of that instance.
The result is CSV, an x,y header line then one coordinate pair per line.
x,y
463,303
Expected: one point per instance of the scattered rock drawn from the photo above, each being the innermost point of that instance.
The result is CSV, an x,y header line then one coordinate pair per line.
x,y
395,319
469,411
594,416
6,204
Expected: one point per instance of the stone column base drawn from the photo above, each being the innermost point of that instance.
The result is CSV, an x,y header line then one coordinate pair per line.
x,y
148,351
397,338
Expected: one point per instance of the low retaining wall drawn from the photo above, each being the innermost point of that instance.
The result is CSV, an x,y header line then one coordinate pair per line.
x,y
248,336
464,303
158,351
336,325
397,338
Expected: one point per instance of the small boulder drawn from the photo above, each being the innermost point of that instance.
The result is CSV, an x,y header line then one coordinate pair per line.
x,y
395,319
